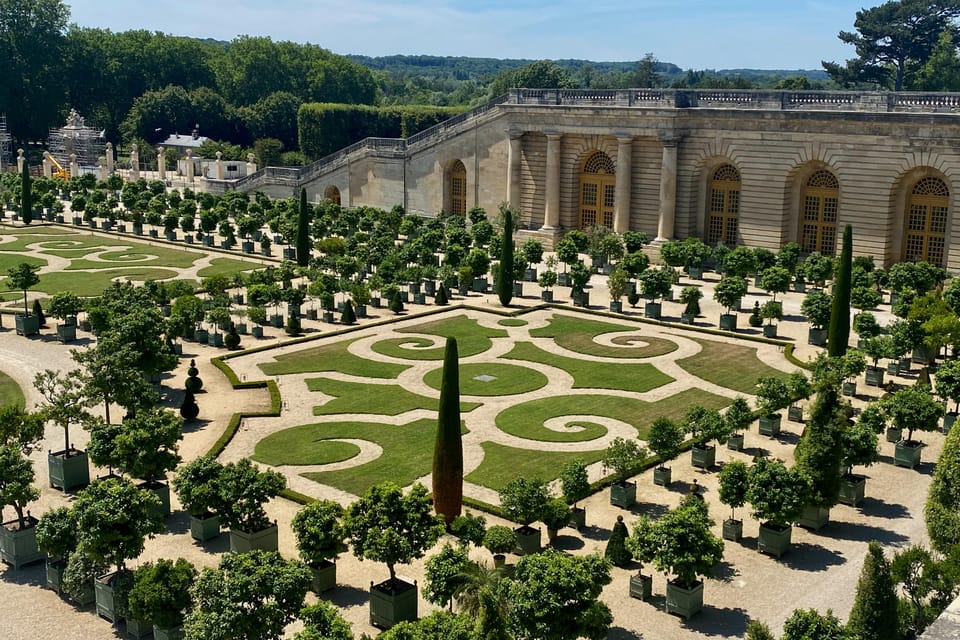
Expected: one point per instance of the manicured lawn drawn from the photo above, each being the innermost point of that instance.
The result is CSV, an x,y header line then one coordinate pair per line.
x,y
577,334
227,266
471,339
501,464
512,322
10,260
141,254
732,366
637,377
508,379
93,283
299,446
354,397
330,357
10,392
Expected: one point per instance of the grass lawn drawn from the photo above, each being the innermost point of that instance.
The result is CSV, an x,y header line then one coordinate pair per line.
x,y
140,254
354,397
501,464
8,261
300,445
637,377
227,266
512,322
10,392
526,420
330,357
729,365
471,339
577,334
93,283
34,231
508,379
407,451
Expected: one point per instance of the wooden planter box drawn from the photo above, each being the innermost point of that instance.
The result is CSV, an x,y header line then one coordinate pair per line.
x,y
770,425
563,279
582,299
324,577
948,421
728,321
814,518
266,540
27,325
162,491
68,473
893,434
616,306
246,246
623,494
256,331
652,310
732,530
104,596
392,603
66,332
735,442
662,476
795,413
695,273
852,490
578,517
817,337
54,574
138,629
683,601
641,586
546,295
205,528
849,389
167,634
529,540
773,540
924,355
907,455
893,367
769,331
686,318
874,376
480,285
18,547
530,274
703,457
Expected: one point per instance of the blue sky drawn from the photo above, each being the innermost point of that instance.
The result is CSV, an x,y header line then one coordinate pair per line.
x,y
714,34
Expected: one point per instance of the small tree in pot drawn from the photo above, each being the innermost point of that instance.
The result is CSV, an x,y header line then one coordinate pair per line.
x,y
914,409
320,536
146,448
655,284
575,486
64,403
859,443
819,453
22,277
738,417
690,296
778,496
733,493
705,425
664,439
19,433
555,515
197,487
244,490
57,537
728,293
817,306
160,596
617,285
499,540
523,501
623,457
65,306
773,394
947,385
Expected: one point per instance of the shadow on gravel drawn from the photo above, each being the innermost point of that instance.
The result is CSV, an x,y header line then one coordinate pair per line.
x,y
619,633
725,572
806,556
593,532
878,508
178,522
649,509
347,596
717,621
861,533
34,575
567,543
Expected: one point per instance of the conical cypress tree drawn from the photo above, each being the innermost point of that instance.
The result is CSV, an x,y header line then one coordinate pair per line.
x,y
442,297
839,334
348,316
26,195
448,450
505,275
819,453
616,551
874,613
303,230
396,304
38,311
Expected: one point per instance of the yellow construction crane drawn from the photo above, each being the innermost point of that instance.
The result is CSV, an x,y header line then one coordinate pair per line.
x,y
60,171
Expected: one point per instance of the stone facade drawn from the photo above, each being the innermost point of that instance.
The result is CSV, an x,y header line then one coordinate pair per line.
x,y
754,167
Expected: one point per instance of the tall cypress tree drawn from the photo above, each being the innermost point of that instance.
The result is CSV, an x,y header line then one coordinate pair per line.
x,y
839,334
874,613
26,195
505,275
448,449
303,230
819,453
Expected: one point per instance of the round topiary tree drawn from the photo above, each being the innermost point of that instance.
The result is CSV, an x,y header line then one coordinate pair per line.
x,y
499,540
664,439
193,383
320,536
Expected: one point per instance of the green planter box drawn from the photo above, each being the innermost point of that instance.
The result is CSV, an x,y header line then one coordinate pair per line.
x,y
623,494
27,325
68,473
202,336
769,331
817,337
104,596
683,601
732,530
256,331
616,306
641,586
652,310
907,455
581,299
138,629
852,490
893,367
799,286
814,518
518,289
905,364
276,320
849,389
735,442
266,540
892,434
728,321
85,598
695,273
770,425
874,376
546,295
529,540
795,413
530,274
578,517
773,540
924,355
162,491
66,332
18,547
703,457
205,528
215,339
480,285
167,634
687,318
324,577
54,574
948,421
392,603
661,476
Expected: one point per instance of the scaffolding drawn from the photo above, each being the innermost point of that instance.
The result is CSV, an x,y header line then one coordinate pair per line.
x,y
6,144
76,137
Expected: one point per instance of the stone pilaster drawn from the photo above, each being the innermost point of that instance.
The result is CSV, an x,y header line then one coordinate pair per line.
x,y
47,165
189,168
218,166
551,213
134,163
621,214
74,166
161,164
109,151
513,167
668,187
102,172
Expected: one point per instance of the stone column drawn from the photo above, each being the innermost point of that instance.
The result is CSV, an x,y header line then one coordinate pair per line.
x,y
74,166
621,213
109,151
668,187
20,160
218,173
47,165
102,172
189,172
551,213
513,167
134,163
161,165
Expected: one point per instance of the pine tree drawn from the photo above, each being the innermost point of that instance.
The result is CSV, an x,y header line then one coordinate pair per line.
x,y
26,195
448,449
616,551
874,613
839,334
303,230
505,275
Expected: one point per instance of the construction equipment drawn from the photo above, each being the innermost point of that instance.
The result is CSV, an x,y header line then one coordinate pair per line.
x,y
60,171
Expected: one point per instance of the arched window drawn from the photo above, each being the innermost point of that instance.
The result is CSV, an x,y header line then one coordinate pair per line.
x,y
458,189
597,191
724,206
926,221
332,194
818,225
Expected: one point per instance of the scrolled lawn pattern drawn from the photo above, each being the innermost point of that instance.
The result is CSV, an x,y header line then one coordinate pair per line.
x,y
578,335
492,379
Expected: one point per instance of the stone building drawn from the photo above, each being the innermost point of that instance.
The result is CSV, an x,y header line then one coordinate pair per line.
x,y
760,168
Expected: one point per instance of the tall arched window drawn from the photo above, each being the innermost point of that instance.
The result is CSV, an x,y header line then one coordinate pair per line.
x,y
332,194
597,191
819,202
926,221
724,206
458,189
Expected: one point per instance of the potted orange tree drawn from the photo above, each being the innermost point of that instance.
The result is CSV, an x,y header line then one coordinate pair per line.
x,y
320,536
